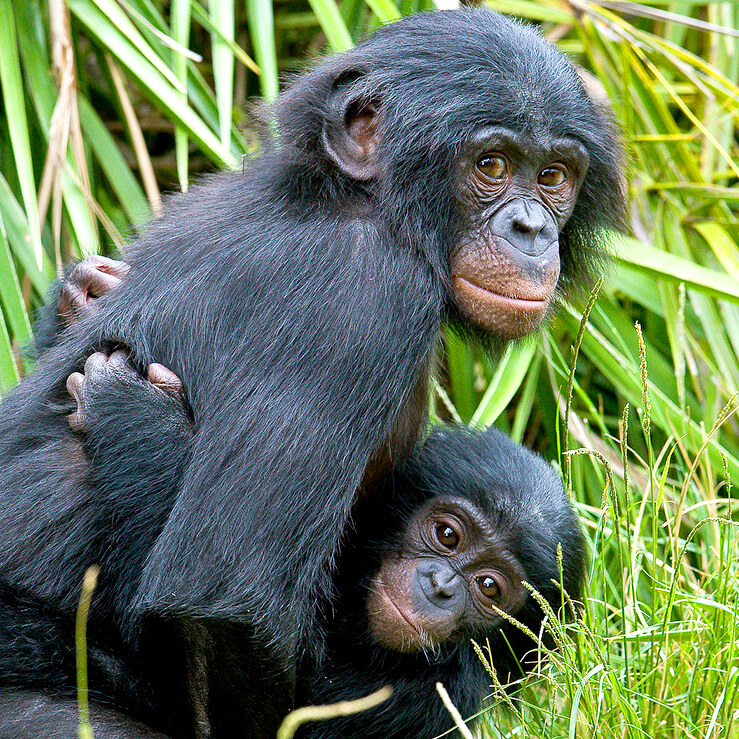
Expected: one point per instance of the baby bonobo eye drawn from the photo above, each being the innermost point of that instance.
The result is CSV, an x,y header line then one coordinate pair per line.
x,y
488,587
446,535
493,166
552,176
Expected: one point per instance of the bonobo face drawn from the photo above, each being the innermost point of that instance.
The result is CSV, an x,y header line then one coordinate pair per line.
x,y
516,193
444,581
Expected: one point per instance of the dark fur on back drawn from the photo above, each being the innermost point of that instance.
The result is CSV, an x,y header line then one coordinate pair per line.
x,y
299,308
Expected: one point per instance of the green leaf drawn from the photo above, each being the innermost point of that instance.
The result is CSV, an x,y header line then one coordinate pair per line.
x,y
509,374
15,113
262,28
111,15
386,11
222,17
461,373
181,33
670,267
156,86
43,94
10,292
329,16
8,371
118,174
19,235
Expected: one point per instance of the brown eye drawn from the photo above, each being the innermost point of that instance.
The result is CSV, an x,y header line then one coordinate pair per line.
x,y
552,177
488,587
493,167
446,535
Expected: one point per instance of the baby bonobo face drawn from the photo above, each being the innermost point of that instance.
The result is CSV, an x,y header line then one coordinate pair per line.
x,y
447,580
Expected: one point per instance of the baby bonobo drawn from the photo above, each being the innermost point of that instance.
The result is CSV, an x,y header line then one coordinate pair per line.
x,y
433,559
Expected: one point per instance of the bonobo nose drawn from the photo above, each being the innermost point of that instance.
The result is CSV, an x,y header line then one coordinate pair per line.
x,y
526,225
441,584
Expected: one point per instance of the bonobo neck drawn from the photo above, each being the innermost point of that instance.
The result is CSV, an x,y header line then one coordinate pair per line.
x,y
406,431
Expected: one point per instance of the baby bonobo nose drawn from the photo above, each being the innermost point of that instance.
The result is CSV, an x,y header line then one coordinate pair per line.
x,y
442,586
443,583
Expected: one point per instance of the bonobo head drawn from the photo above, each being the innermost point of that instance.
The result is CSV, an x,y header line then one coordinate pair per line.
x,y
472,141
451,571
471,517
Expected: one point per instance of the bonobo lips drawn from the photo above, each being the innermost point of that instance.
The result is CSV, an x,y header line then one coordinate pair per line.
x,y
395,607
525,302
507,316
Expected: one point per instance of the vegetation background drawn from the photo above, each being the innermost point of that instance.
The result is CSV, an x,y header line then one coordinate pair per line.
x,y
108,103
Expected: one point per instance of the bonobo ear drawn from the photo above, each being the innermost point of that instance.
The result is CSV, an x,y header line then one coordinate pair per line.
x,y
350,134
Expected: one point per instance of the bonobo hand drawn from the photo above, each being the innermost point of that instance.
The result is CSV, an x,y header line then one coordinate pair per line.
x,y
92,277
103,376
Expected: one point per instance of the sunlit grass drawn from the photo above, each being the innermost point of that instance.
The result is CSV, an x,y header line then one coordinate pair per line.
x,y
654,651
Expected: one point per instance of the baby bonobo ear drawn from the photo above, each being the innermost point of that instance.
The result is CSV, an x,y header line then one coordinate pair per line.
x,y
350,130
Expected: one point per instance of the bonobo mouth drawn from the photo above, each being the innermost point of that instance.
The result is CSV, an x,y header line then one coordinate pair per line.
x,y
532,302
408,637
386,597
507,316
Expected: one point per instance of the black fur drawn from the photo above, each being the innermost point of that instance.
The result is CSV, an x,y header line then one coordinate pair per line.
x,y
520,495
523,500
29,715
299,308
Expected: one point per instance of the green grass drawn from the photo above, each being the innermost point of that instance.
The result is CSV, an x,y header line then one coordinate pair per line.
x,y
148,94
654,651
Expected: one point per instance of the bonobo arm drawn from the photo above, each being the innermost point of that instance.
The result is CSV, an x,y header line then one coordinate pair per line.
x,y
136,433
72,297
295,367
119,413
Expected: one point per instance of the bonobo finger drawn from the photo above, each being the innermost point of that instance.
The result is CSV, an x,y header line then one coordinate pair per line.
x,y
95,363
92,277
163,378
74,386
118,359
77,419
72,303
98,283
98,263
112,267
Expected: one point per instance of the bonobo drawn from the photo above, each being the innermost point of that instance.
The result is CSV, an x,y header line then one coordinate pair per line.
x,y
448,542
440,550
300,303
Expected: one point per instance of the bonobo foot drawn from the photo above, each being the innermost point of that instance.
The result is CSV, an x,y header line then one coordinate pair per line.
x,y
92,277
106,377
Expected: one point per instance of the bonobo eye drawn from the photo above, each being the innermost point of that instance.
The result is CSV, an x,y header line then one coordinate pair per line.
x,y
488,587
552,176
493,166
446,535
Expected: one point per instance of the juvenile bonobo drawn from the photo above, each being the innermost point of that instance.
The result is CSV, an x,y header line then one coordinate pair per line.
x,y
440,550
300,302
